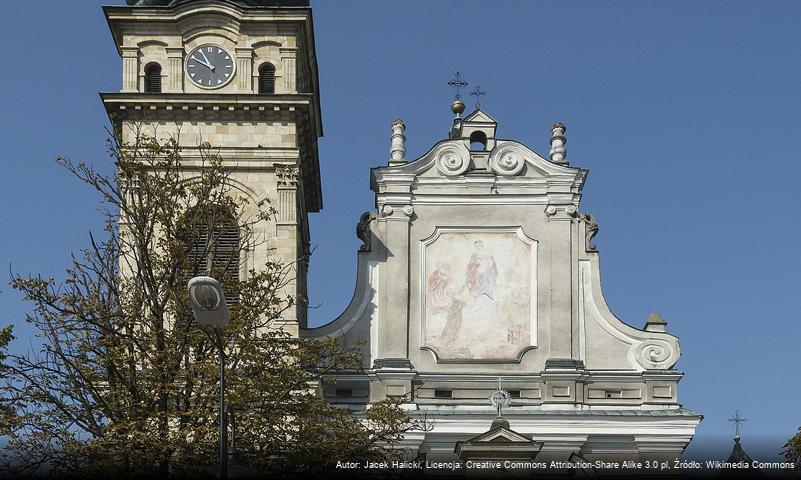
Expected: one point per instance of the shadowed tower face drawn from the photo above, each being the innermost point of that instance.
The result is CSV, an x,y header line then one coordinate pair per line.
x,y
242,76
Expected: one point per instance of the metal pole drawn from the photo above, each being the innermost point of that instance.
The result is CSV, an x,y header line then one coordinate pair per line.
x,y
223,418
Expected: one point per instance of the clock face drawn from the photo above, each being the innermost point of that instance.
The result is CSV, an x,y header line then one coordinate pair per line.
x,y
210,66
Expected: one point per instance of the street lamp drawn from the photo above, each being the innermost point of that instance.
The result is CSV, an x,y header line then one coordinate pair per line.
x,y
208,302
211,311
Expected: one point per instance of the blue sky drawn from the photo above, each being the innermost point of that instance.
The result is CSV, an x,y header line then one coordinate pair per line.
x,y
686,113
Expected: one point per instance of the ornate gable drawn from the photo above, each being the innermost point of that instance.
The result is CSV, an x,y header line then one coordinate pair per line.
x,y
478,263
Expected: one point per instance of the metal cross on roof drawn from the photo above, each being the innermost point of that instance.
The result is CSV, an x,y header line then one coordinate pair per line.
x,y
478,93
500,398
737,420
457,83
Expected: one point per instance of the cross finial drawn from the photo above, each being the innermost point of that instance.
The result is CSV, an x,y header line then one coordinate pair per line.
x,y
458,83
478,93
500,398
737,420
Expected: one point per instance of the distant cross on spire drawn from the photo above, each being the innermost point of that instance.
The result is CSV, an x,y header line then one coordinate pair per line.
x,y
458,83
478,93
500,398
737,420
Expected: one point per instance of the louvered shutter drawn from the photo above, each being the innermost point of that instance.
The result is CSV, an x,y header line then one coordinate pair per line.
x,y
153,78
214,251
266,79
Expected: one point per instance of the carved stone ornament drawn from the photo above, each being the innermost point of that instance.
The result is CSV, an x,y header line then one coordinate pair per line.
x,y
590,231
507,160
654,354
387,210
363,230
569,210
287,176
453,160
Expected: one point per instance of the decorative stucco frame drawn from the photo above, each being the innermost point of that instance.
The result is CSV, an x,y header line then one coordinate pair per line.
x,y
533,294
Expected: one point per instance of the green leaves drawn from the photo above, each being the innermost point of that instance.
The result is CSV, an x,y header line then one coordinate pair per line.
x,y
125,381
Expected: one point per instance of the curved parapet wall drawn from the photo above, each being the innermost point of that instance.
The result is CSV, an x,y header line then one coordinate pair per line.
x,y
360,317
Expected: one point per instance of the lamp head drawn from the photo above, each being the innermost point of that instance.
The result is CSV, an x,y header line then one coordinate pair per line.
x,y
208,302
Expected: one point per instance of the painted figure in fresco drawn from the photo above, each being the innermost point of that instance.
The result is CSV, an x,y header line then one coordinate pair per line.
x,y
454,323
477,300
482,273
438,296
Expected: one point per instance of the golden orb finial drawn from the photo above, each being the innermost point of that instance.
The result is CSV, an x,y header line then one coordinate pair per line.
x,y
457,107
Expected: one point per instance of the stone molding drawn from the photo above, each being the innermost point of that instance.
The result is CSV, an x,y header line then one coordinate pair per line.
x,y
388,211
287,176
561,212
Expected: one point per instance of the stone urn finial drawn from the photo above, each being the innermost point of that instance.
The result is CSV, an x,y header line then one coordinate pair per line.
x,y
397,148
558,141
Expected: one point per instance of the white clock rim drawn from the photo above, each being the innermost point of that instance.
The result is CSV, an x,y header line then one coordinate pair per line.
x,y
213,87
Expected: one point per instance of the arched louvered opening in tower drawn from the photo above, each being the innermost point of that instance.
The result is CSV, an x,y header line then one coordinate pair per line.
x,y
267,79
213,242
153,78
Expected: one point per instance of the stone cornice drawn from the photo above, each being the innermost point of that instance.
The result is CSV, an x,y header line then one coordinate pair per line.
x,y
135,107
588,376
290,102
119,16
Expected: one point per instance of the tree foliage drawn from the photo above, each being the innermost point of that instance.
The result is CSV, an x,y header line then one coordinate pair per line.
x,y
125,381
792,449
7,416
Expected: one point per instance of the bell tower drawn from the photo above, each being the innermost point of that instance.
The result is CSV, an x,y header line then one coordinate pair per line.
x,y
242,76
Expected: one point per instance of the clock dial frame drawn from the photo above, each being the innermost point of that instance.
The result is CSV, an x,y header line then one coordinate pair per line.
x,y
198,71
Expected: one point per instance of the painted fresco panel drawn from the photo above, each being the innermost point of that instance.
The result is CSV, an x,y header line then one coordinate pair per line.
x,y
477,295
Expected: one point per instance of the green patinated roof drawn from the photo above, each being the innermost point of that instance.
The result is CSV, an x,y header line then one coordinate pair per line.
x,y
247,3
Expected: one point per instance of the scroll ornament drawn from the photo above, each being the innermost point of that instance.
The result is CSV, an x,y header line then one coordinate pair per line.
x,y
452,161
507,160
655,354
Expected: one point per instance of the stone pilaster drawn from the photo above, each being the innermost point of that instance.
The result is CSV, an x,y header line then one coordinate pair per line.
x,y
288,60
395,334
130,69
175,69
244,66
287,180
560,305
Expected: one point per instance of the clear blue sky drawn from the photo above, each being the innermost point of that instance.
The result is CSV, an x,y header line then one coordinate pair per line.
x,y
686,113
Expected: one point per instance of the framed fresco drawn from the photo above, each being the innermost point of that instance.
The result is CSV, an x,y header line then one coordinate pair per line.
x,y
479,294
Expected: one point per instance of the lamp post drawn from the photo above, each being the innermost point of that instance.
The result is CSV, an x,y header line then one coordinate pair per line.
x,y
211,311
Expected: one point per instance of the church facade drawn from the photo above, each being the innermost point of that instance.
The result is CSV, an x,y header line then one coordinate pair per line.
x,y
477,264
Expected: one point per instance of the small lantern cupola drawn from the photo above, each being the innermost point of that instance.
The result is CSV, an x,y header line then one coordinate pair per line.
x,y
478,131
